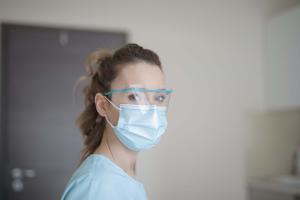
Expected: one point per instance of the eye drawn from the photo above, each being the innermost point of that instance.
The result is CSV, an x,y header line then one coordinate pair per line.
x,y
160,98
133,97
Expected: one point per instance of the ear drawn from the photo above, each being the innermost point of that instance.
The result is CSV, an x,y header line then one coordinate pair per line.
x,y
101,104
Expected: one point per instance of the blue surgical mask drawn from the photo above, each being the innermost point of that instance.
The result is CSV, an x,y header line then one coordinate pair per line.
x,y
140,127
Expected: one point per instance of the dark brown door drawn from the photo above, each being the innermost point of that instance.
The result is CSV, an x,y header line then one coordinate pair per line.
x,y
40,142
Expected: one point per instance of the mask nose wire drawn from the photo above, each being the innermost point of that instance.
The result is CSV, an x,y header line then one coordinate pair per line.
x,y
113,106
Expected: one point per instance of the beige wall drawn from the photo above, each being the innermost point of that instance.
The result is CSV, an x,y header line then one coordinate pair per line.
x,y
212,53
271,142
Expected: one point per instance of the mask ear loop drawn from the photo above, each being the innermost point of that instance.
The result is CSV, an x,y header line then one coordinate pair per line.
x,y
113,106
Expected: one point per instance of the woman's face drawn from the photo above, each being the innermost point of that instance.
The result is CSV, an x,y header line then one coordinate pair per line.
x,y
141,73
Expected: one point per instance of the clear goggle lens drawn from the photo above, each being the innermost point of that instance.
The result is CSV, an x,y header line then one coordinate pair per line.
x,y
141,96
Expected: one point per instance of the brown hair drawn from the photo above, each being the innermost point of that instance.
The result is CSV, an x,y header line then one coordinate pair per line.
x,y
107,65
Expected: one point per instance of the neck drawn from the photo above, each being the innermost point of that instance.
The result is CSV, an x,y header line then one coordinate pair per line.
x,y
112,148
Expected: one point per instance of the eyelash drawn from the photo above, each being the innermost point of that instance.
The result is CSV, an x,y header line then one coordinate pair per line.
x,y
135,97
132,95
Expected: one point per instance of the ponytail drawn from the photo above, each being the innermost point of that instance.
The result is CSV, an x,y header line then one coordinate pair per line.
x,y
90,123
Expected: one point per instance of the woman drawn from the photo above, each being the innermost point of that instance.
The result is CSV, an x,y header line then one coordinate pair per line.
x,y
126,112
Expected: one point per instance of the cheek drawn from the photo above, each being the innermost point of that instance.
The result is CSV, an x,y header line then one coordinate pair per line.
x,y
114,115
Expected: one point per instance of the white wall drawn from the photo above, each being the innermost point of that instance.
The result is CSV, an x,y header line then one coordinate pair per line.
x,y
212,54
282,60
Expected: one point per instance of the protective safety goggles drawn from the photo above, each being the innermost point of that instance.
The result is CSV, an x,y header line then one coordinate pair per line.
x,y
139,95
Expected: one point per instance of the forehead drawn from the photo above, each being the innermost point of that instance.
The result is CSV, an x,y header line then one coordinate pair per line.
x,y
140,73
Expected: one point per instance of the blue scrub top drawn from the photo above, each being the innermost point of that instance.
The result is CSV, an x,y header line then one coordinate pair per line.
x,y
100,178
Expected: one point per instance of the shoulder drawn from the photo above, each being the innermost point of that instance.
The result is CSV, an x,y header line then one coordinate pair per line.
x,y
94,180
90,188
